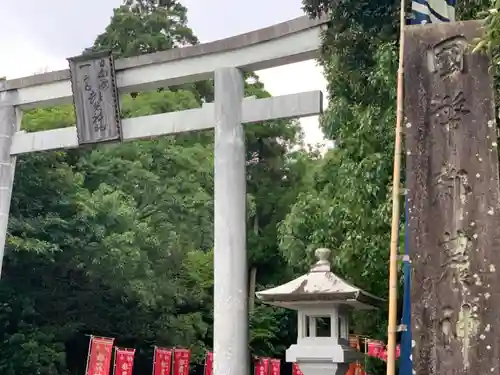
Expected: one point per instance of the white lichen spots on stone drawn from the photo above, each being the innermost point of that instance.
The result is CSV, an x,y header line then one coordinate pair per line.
x,y
492,369
408,152
494,144
408,124
488,347
478,175
413,342
476,299
491,212
472,223
487,328
490,123
475,236
480,159
474,308
461,216
477,280
487,295
492,268
482,336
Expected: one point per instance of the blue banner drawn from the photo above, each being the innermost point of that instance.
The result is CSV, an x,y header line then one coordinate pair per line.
x,y
433,11
405,361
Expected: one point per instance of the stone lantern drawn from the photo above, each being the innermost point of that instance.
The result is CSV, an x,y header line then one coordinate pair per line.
x,y
323,301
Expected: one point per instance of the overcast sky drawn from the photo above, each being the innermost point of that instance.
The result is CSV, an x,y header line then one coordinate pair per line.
x,y
39,35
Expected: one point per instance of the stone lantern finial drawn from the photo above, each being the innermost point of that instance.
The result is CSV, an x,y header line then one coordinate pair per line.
x,y
323,264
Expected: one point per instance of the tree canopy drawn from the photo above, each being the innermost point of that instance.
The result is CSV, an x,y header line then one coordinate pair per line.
x,y
117,240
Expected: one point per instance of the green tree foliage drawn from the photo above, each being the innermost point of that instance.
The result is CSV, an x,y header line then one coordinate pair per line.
x,y
145,26
347,206
490,42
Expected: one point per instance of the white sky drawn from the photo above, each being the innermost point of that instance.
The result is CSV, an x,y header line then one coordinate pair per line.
x,y
39,36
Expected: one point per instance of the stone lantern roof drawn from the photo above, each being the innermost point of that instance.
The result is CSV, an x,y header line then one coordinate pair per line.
x,y
319,286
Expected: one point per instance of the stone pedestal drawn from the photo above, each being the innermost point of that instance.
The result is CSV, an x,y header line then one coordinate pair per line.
x,y
314,359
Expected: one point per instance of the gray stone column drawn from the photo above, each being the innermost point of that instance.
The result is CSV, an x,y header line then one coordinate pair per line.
x,y
230,258
8,126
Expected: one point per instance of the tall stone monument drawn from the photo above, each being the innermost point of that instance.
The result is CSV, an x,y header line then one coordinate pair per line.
x,y
453,191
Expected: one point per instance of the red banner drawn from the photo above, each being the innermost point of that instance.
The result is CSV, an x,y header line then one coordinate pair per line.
x,y
296,370
378,350
275,366
375,348
124,361
209,363
181,361
162,361
261,366
100,352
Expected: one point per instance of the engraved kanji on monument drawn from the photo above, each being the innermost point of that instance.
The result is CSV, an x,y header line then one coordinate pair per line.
x,y
453,191
95,98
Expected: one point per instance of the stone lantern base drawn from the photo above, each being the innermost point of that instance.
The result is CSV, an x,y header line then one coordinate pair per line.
x,y
323,360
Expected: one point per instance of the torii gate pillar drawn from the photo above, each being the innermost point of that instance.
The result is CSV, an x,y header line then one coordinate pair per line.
x,y
230,256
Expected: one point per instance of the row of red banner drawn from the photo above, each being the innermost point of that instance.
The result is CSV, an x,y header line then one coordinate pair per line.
x,y
101,353
262,366
372,348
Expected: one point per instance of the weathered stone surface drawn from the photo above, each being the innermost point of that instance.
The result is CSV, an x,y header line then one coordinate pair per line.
x,y
452,177
95,98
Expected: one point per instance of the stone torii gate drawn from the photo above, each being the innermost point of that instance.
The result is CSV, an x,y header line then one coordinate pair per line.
x,y
93,84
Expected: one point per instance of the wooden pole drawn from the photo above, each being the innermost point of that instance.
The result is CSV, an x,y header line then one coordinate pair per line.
x,y
114,362
393,266
88,355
